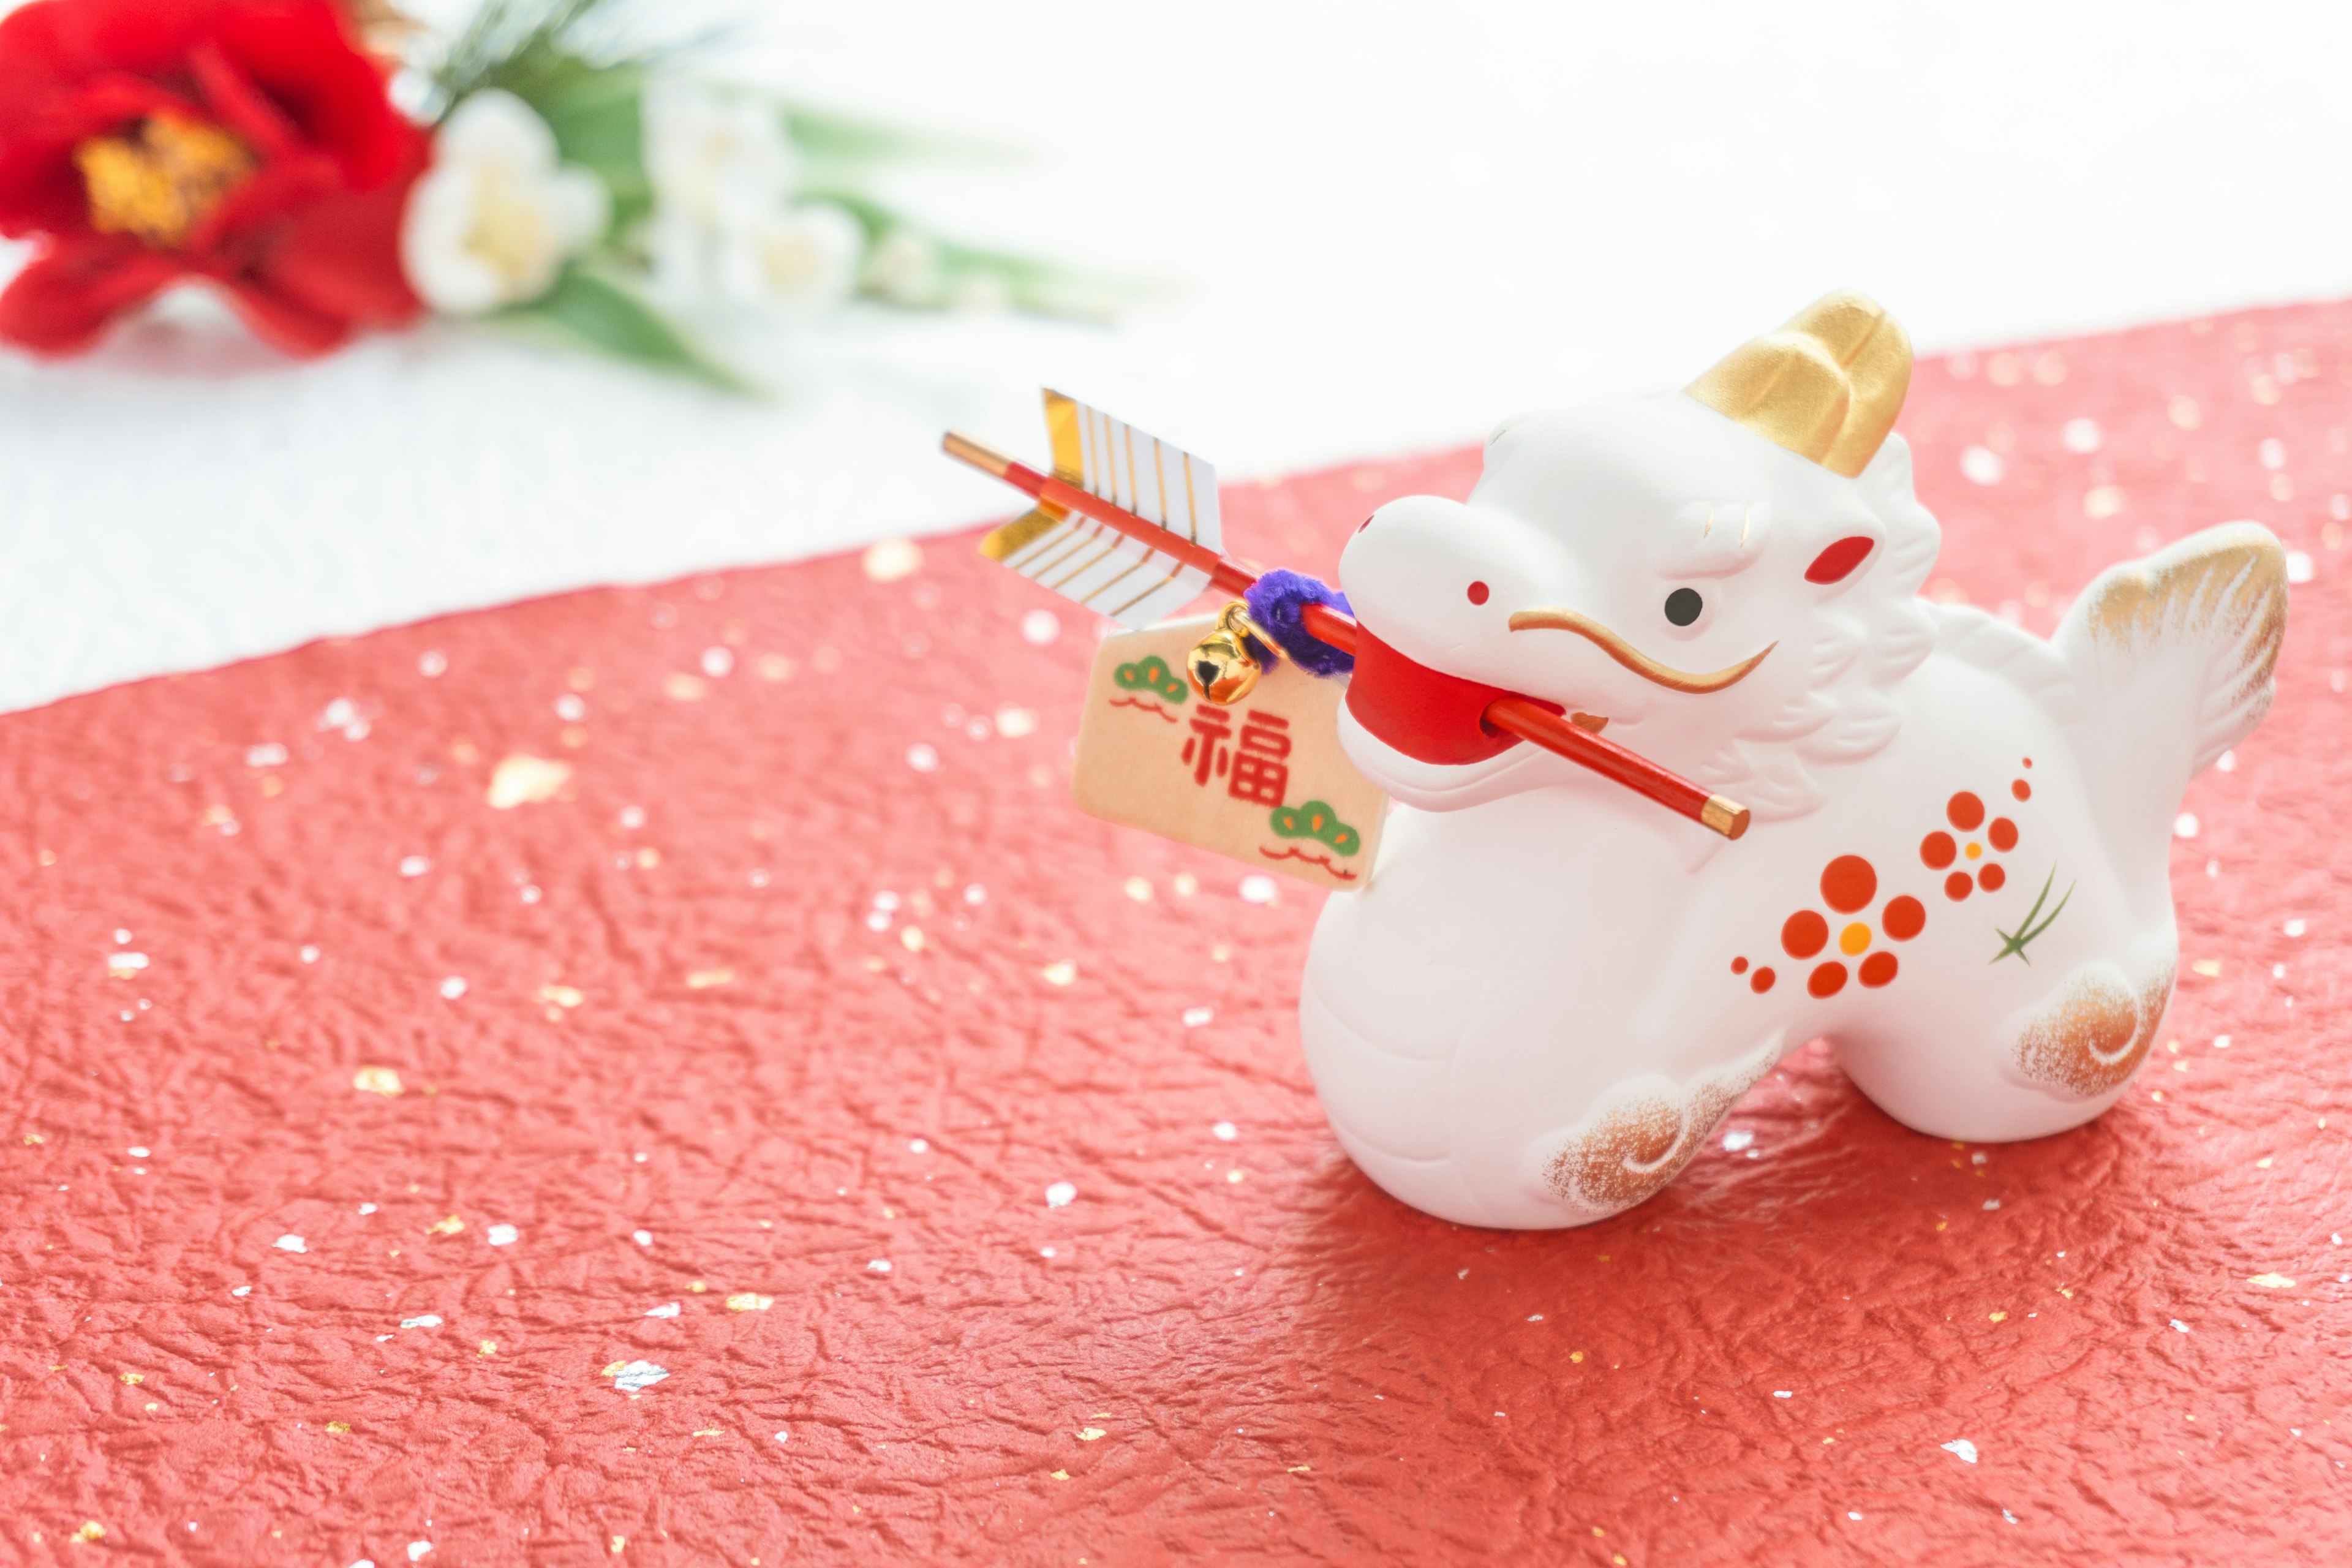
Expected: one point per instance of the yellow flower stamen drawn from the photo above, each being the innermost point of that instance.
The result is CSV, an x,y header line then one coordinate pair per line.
x,y
509,236
161,180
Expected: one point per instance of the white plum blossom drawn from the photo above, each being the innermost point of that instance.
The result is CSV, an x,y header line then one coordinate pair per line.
x,y
805,258
724,222
716,158
906,268
492,222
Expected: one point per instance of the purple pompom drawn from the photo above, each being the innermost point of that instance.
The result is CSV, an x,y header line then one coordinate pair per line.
x,y
1277,602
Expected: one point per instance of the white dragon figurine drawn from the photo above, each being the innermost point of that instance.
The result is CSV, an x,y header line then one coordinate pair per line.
x,y
1551,991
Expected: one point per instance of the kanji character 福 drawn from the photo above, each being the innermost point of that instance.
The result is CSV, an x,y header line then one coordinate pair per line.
x,y
1206,751
1260,775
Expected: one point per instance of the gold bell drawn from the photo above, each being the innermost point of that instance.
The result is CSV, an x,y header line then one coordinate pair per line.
x,y
1222,667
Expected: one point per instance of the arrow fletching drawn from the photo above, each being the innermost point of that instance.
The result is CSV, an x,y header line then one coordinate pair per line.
x,y
1088,561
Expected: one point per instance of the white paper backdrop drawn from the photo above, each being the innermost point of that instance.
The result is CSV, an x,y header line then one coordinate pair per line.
x,y
1387,227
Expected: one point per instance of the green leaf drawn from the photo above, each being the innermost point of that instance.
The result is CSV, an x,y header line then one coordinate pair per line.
x,y
1025,282
828,138
597,114
593,309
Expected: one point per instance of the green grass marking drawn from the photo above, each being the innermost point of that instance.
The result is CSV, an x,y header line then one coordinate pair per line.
x,y
2015,942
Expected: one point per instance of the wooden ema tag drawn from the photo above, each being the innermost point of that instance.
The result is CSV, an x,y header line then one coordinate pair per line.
x,y
1264,780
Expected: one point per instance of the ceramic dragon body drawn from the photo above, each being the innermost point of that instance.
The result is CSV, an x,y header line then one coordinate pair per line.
x,y
1551,991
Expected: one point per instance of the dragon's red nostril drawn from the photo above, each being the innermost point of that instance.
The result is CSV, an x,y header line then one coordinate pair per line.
x,y
1478,593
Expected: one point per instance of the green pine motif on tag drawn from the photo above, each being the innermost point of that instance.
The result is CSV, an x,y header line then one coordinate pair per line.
x,y
1314,819
1151,674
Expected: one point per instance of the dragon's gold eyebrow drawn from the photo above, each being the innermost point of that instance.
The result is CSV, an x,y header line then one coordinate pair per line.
x,y
1746,513
1549,619
1711,538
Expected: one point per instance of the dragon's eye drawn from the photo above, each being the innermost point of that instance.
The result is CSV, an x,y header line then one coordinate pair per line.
x,y
1683,606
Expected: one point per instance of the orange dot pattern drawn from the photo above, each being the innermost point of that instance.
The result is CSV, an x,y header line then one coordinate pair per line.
x,y
1903,918
1804,934
1849,884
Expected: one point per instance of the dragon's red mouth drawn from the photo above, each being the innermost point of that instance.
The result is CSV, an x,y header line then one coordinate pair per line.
x,y
1430,716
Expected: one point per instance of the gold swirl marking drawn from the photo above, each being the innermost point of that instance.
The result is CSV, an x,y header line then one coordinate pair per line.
x,y
1547,618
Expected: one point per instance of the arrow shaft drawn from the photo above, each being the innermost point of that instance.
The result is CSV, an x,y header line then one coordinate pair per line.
x,y
1514,715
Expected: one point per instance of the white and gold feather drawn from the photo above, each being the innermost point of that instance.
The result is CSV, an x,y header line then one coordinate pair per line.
x,y
1088,561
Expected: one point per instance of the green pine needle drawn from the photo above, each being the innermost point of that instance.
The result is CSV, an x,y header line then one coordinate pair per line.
x,y
508,39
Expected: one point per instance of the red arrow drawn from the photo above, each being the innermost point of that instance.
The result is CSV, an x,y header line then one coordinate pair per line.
x,y
1512,714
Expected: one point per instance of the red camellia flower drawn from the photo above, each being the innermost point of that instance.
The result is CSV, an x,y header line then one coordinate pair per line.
x,y
247,142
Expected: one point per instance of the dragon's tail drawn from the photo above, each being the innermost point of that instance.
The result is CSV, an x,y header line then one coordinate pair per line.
x,y
2172,657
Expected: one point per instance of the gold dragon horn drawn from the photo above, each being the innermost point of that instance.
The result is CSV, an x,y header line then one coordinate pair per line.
x,y
1827,386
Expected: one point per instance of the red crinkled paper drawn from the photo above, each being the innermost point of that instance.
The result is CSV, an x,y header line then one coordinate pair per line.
x,y
839,1136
